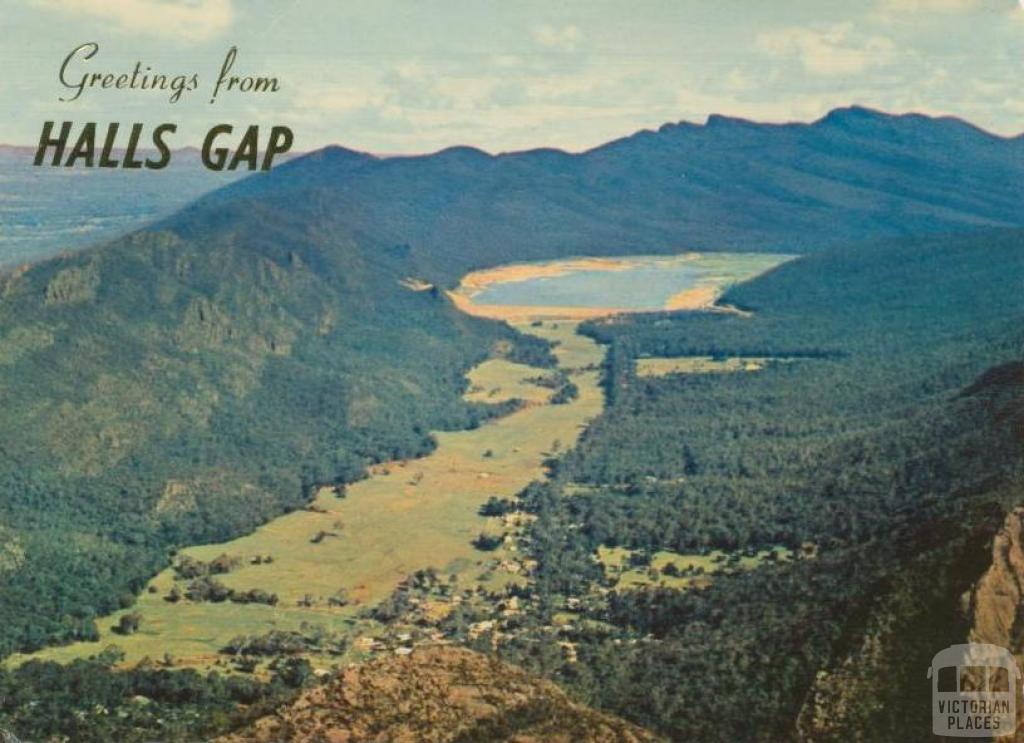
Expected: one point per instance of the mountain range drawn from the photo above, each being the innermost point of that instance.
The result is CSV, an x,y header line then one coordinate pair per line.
x,y
854,175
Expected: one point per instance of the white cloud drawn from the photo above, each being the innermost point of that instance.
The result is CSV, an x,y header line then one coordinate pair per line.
x,y
182,20
830,50
911,11
412,70
339,99
929,6
738,81
565,38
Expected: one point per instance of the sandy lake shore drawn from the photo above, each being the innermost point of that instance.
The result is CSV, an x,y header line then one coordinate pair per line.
x,y
472,284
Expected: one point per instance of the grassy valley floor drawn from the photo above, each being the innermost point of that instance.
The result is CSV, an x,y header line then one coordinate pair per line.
x,y
406,516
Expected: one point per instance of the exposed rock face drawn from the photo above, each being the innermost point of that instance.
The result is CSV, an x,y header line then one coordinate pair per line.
x,y
994,604
73,285
438,694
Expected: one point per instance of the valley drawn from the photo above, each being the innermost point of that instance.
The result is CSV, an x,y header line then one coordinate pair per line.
x,y
406,516
329,564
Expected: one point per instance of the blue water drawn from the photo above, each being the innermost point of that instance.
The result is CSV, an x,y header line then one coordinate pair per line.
x,y
644,287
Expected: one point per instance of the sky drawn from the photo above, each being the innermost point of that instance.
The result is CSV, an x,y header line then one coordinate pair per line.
x,y
410,76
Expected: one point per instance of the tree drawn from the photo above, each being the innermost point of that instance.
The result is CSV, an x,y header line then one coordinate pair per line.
x,y
497,507
488,542
128,624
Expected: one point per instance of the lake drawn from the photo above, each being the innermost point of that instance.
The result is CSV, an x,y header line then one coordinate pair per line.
x,y
635,284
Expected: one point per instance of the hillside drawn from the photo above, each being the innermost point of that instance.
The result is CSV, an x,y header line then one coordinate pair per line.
x,y
435,695
878,444
183,387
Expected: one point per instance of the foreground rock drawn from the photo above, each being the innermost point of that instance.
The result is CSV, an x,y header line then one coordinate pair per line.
x,y
438,694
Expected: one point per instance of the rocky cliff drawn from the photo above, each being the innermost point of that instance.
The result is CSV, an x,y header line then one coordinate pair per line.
x,y
994,604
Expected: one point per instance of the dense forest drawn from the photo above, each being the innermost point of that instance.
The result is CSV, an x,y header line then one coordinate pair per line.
x,y
892,445
866,372
87,700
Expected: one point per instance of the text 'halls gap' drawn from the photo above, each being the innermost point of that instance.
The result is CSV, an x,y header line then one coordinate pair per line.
x,y
69,148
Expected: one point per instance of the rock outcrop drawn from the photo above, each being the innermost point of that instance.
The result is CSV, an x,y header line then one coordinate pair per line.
x,y
994,604
438,694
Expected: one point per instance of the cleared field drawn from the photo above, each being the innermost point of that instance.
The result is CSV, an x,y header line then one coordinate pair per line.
x,y
406,516
693,569
497,380
659,367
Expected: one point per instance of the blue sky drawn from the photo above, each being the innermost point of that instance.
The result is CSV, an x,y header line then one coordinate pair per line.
x,y
396,76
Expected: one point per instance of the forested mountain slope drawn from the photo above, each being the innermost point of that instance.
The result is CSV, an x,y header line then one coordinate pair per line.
x,y
183,386
884,447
